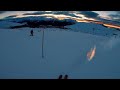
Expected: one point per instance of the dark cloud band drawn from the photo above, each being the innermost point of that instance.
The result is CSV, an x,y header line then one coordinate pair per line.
x,y
2,12
89,14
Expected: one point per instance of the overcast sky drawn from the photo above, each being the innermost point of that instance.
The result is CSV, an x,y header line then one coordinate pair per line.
x,y
97,15
8,13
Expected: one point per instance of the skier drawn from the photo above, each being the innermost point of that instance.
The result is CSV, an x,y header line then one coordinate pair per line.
x,y
31,32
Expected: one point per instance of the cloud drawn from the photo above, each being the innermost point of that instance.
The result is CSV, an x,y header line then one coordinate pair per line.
x,y
68,13
12,16
116,16
117,12
94,15
89,14
37,13
2,12
43,12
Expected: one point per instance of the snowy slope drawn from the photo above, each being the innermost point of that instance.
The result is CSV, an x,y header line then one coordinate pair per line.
x,y
91,28
95,29
65,52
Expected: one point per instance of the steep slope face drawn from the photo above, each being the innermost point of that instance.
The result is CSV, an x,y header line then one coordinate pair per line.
x,y
95,29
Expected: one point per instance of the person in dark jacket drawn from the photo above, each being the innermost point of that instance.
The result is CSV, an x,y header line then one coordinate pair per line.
x,y
31,32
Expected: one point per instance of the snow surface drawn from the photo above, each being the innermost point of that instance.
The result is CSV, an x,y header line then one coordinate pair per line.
x,y
65,52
